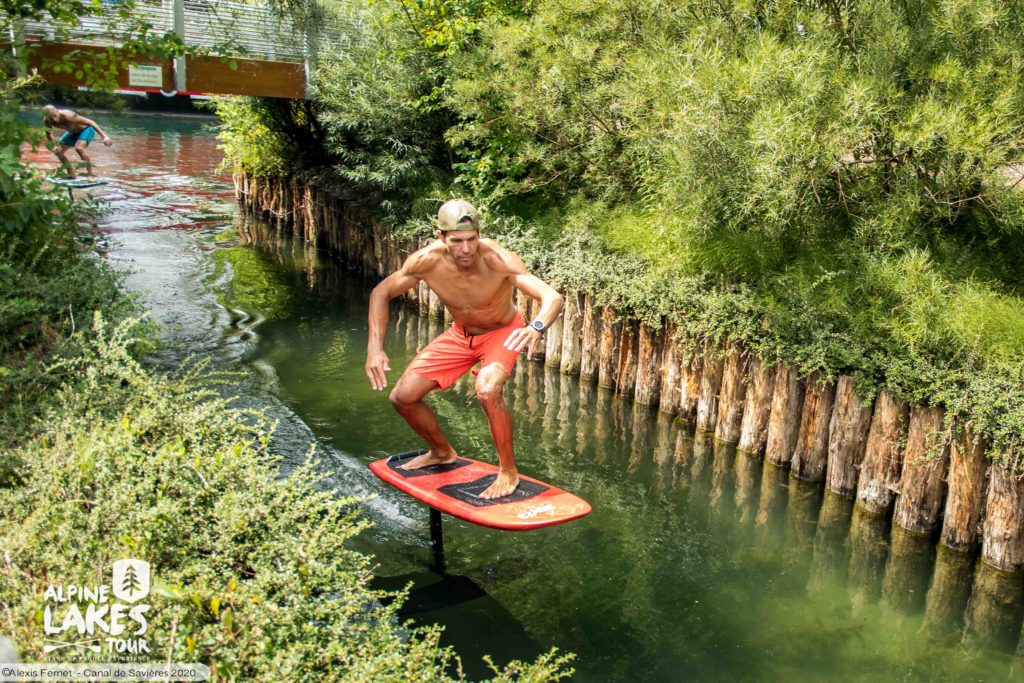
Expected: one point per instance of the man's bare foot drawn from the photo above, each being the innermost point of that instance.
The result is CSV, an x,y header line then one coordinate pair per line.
x,y
503,485
428,459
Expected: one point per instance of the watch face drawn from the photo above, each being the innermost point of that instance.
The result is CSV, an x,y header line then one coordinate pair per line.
x,y
537,325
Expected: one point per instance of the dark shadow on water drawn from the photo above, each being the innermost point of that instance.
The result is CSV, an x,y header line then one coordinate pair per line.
x,y
475,624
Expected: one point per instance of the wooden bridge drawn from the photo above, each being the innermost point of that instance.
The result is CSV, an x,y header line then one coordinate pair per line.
x,y
235,48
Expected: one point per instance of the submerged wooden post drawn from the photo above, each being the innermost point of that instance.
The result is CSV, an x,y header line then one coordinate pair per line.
x,y
522,302
691,370
748,476
710,388
802,510
828,566
423,296
700,461
572,334
553,343
965,499
869,548
1003,543
664,427
436,309
309,234
922,489
733,396
847,438
758,409
602,420
532,309
949,592
608,357
784,419
905,585
683,455
625,383
771,506
670,374
723,480
590,354
880,469
994,611
640,448
811,453
648,365
569,414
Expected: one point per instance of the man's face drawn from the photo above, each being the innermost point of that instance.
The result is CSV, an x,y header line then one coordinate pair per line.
x,y
463,245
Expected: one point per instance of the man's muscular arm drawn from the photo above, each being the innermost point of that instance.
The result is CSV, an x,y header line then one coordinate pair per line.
x,y
393,285
550,301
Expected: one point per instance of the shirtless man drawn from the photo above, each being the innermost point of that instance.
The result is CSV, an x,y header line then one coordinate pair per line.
x,y
474,277
79,132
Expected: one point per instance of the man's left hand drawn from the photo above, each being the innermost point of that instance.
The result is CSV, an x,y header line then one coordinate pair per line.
x,y
524,337
108,142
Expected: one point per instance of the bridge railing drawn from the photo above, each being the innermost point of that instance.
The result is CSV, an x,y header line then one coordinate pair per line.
x,y
216,26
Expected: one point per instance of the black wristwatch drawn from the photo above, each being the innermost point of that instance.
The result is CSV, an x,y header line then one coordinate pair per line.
x,y
538,325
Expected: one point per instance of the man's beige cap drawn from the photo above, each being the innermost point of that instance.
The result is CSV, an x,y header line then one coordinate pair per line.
x,y
457,214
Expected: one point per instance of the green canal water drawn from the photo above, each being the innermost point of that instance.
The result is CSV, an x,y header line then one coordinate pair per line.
x,y
697,563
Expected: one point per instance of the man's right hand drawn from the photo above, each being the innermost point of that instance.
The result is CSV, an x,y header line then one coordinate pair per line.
x,y
376,365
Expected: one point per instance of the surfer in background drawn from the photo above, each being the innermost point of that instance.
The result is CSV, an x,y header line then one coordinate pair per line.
x,y
474,277
78,133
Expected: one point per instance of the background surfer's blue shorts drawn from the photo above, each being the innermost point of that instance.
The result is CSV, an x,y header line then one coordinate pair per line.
x,y
69,138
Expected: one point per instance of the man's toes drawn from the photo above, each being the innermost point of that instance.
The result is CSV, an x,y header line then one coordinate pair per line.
x,y
499,492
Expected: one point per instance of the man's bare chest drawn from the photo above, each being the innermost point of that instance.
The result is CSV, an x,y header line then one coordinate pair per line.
x,y
471,292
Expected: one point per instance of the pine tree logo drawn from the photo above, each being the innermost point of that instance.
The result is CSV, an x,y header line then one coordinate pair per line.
x,y
131,580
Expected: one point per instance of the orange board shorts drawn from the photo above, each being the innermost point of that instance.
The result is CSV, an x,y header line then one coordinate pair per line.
x,y
447,358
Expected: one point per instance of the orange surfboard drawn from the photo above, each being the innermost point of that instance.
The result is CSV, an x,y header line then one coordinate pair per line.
x,y
455,489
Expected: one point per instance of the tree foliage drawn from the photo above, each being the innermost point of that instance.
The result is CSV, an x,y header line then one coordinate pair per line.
x,y
837,184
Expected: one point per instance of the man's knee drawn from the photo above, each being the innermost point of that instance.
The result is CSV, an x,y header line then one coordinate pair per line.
x,y
490,384
400,398
404,396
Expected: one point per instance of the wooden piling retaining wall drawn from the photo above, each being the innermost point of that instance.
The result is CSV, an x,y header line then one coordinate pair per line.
x,y
894,460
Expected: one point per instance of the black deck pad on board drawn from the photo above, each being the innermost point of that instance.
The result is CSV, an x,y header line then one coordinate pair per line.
x,y
395,463
469,492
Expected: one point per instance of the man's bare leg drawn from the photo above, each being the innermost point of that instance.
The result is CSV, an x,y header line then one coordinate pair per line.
x,y
80,148
490,385
60,151
407,398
